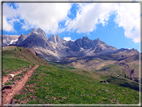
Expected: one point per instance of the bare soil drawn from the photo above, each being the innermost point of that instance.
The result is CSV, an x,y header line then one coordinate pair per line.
x,y
9,93
6,78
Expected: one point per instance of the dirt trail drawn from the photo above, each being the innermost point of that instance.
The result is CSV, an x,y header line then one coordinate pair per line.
x,y
6,78
8,94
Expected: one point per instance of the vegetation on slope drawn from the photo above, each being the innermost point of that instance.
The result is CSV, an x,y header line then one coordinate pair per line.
x,y
65,85
16,58
21,53
50,85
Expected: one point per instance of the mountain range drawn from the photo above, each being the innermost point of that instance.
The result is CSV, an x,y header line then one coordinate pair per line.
x,y
82,53
55,48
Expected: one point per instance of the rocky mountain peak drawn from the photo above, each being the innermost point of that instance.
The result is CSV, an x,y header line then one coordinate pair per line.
x,y
133,49
38,30
58,38
98,39
85,37
54,38
22,34
57,47
21,38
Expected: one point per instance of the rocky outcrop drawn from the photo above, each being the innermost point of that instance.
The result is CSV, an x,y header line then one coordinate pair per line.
x,y
9,39
56,48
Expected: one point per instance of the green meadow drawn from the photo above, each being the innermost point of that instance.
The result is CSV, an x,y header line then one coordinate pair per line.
x,y
59,84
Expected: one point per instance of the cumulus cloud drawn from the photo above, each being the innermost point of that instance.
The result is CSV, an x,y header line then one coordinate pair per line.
x,y
67,38
9,17
48,16
89,15
43,15
128,17
7,26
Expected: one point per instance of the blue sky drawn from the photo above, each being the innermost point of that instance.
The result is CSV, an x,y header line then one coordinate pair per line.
x,y
116,24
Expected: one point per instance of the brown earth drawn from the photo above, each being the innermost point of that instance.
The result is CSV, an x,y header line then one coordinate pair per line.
x,y
6,78
9,93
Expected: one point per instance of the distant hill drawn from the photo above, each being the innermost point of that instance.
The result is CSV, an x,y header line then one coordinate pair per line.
x,y
118,63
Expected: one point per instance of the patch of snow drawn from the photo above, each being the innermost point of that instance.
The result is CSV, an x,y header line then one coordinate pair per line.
x,y
13,41
81,48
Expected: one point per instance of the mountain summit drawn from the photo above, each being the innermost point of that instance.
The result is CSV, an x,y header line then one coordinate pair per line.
x,y
38,32
54,48
36,38
55,39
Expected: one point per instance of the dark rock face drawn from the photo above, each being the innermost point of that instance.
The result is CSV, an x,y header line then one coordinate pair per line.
x,y
98,41
98,49
36,38
52,38
55,39
85,43
21,38
127,52
55,47
72,46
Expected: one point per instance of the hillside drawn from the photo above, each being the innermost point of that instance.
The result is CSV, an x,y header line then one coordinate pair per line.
x,y
49,85
112,64
15,57
22,53
59,84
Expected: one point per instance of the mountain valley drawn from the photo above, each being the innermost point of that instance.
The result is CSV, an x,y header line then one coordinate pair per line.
x,y
83,71
54,83
82,53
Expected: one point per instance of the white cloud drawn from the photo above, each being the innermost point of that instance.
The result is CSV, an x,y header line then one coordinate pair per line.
x,y
128,17
43,15
89,15
67,38
48,15
9,17
7,26
8,11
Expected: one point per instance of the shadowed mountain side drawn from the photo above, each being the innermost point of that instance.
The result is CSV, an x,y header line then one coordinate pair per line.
x,y
55,47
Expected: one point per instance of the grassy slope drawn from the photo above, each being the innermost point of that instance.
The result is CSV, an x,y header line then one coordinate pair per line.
x,y
66,85
53,85
23,54
113,70
15,58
